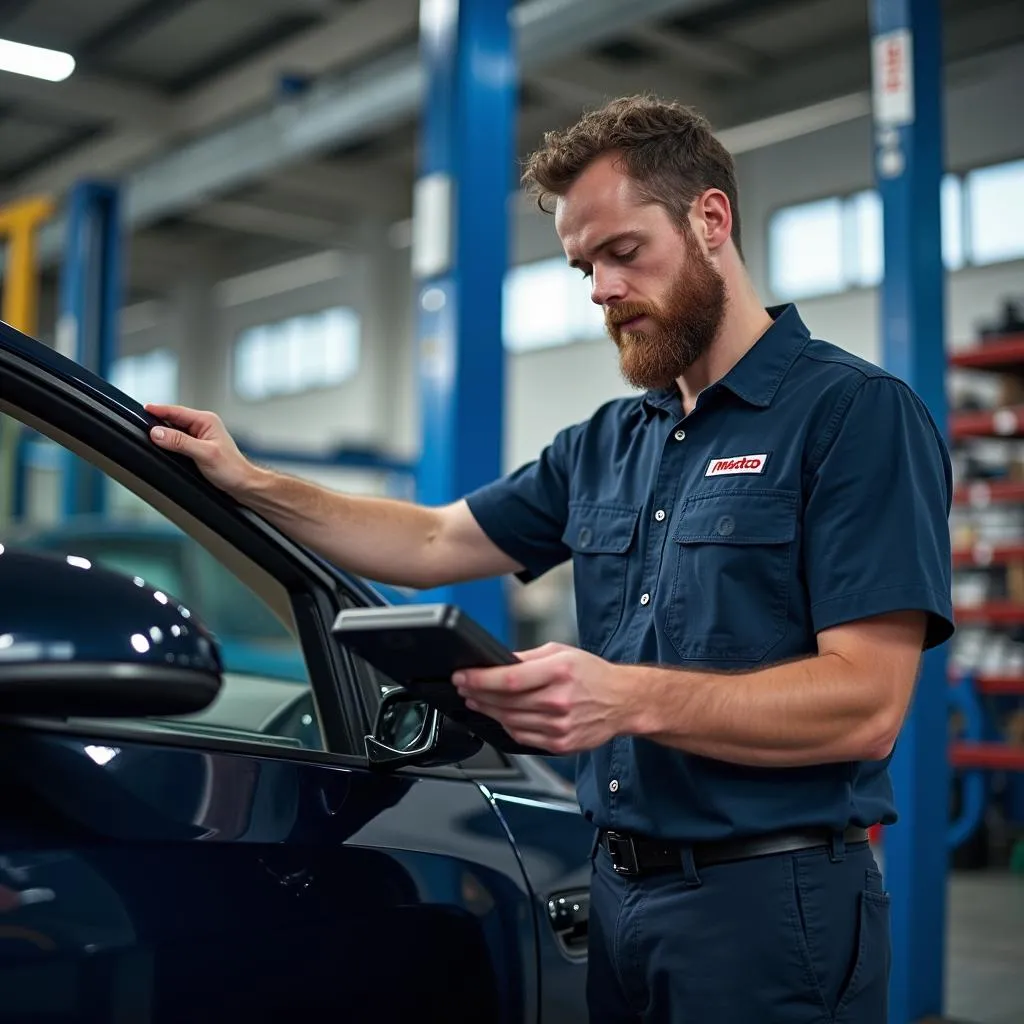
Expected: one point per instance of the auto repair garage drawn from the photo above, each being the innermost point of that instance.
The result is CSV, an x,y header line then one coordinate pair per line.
x,y
309,218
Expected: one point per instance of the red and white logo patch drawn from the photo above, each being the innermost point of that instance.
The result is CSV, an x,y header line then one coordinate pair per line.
x,y
737,464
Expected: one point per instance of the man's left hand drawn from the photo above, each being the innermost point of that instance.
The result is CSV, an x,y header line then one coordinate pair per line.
x,y
559,698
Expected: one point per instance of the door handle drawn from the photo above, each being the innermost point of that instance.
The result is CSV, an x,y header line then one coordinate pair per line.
x,y
569,914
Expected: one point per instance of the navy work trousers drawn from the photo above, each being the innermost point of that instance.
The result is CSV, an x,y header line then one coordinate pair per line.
x,y
795,938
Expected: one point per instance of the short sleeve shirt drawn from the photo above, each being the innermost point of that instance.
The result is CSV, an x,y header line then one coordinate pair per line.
x,y
806,489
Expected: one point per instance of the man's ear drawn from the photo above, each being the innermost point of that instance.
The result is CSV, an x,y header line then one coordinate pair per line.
x,y
712,214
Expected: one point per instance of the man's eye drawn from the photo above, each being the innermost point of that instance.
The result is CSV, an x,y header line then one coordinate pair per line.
x,y
627,257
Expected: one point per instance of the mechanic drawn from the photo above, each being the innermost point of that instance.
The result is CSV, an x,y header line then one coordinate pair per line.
x,y
761,552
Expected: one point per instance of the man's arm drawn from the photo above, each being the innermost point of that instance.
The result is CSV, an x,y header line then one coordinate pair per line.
x,y
383,539
847,703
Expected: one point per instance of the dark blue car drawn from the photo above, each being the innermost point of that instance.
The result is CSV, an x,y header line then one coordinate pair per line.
x,y
191,828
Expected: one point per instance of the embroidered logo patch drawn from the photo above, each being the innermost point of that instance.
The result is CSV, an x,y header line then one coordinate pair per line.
x,y
737,464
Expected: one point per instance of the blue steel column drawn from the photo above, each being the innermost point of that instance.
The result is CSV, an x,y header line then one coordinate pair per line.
x,y
459,260
908,88
90,301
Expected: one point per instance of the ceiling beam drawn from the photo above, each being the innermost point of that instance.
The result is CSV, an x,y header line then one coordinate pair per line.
x,y
356,29
91,97
348,108
700,54
370,188
252,219
591,76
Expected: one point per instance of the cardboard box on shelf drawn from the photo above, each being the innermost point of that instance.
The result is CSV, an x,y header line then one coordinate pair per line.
x,y
1011,389
1015,582
1014,729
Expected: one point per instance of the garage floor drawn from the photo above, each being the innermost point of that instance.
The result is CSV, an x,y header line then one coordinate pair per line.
x,y
985,948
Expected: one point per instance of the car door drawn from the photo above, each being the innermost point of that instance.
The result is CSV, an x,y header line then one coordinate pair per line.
x,y
222,865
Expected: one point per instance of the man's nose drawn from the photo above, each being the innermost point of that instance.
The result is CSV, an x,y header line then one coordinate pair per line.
x,y
606,287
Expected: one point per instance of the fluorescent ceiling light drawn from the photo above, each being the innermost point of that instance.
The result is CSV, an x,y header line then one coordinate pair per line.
x,y
35,61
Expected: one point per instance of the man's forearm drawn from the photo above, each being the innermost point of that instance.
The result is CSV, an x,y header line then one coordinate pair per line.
x,y
383,539
813,711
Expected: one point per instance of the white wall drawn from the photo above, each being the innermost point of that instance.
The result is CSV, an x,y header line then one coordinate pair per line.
x,y
552,388
317,419
984,124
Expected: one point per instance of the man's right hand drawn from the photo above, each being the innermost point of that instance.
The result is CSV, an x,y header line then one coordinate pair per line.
x,y
203,437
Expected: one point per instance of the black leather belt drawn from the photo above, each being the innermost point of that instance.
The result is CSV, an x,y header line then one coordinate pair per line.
x,y
638,855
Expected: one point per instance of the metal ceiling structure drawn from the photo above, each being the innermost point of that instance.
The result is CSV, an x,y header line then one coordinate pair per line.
x,y
247,134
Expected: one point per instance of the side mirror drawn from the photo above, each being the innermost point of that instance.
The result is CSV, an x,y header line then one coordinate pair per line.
x,y
408,731
79,640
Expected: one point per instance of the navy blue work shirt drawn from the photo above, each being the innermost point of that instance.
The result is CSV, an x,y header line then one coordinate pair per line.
x,y
806,489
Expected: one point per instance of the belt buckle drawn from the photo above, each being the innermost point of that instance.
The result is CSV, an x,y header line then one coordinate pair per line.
x,y
623,854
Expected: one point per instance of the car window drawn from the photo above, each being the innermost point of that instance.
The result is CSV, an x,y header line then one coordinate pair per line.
x,y
265,675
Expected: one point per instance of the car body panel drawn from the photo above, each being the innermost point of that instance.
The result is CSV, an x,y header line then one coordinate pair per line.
x,y
187,885
182,870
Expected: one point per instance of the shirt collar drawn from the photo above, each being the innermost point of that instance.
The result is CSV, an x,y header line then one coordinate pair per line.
x,y
757,376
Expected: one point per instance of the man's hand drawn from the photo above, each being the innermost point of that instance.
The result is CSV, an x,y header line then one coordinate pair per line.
x,y
560,698
204,439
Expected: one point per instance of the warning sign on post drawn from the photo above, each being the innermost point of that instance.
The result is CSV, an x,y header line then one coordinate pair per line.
x,y
892,66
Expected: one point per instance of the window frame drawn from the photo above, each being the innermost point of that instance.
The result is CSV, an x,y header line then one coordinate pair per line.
x,y
965,262
968,183
244,336
100,433
573,333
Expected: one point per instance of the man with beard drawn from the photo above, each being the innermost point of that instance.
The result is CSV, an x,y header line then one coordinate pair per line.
x,y
760,549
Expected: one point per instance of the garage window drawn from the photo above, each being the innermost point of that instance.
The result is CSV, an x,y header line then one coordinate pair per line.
x,y
548,303
835,244
298,354
995,210
150,377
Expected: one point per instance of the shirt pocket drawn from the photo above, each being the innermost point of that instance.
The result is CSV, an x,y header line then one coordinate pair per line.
x,y
600,537
731,582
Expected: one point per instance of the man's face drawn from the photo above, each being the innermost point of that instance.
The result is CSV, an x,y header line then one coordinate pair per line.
x,y
663,298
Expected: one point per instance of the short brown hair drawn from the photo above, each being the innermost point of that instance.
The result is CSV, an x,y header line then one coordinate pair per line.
x,y
667,148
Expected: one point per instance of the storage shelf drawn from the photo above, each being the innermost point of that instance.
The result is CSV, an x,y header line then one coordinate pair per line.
x,y
1005,422
994,613
995,685
997,354
992,683
982,555
993,756
980,493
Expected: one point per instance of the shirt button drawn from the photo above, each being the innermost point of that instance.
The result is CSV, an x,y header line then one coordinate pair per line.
x,y
660,514
645,599
726,526
614,785
680,435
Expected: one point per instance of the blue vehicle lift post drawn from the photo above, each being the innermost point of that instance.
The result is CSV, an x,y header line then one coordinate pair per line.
x,y
89,303
908,102
460,243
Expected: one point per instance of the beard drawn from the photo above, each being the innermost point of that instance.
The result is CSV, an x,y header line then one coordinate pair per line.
x,y
684,326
